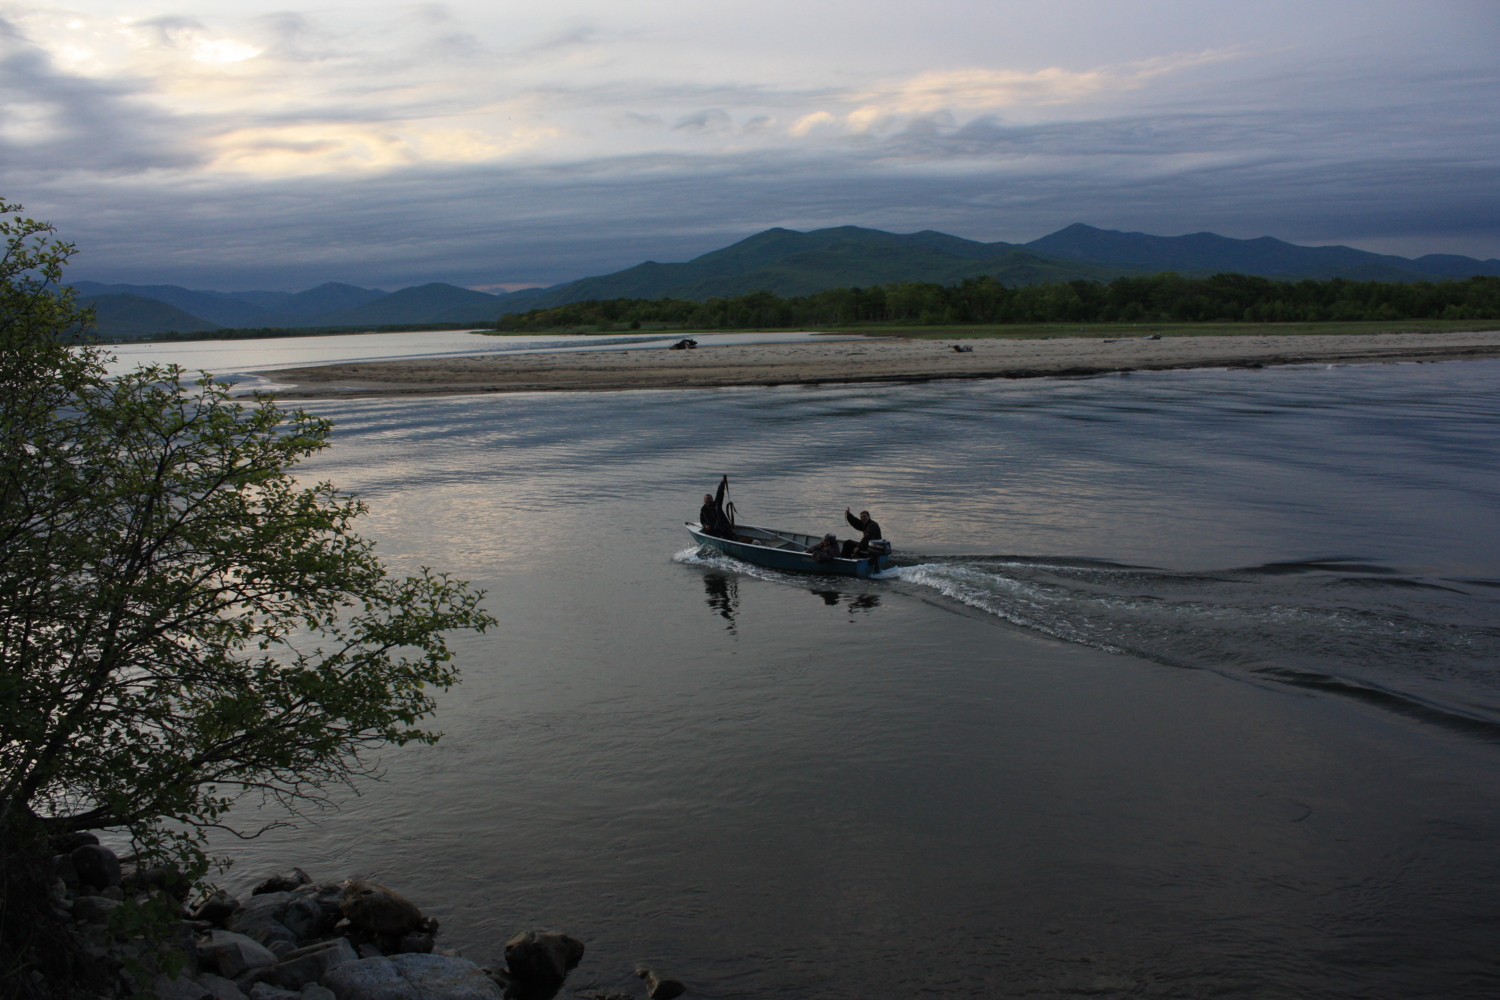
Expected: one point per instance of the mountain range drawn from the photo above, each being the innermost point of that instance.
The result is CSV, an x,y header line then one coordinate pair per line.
x,y
780,260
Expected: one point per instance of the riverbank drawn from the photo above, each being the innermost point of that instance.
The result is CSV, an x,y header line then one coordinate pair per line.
x,y
857,361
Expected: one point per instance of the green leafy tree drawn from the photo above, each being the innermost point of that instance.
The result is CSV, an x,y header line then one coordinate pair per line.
x,y
181,621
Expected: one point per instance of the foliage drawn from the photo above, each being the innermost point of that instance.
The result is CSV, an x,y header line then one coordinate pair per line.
x,y
1161,297
182,621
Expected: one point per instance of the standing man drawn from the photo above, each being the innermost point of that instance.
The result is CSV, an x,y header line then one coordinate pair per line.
x,y
712,517
869,532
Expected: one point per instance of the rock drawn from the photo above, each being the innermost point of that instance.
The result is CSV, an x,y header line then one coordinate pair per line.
x,y
218,987
169,880
312,991
284,882
368,950
67,843
96,866
416,944
374,909
412,977
181,988
187,941
278,916
328,895
265,991
281,949
234,954
112,892
660,988
539,961
311,964
93,909
217,909
63,866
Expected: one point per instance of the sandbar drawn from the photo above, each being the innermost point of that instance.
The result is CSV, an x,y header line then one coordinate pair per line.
x,y
872,360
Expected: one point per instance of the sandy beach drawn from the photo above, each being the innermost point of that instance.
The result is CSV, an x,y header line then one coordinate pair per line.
x,y
883,359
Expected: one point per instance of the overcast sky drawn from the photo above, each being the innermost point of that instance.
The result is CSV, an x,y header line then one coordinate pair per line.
x,y
501,144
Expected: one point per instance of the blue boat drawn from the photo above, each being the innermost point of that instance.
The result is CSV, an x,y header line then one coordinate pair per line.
x,y
786,550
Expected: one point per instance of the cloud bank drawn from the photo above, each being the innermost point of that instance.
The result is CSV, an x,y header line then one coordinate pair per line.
x,y
502,145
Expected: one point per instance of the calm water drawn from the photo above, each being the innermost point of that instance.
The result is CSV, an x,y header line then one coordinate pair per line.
x,y
1187,686
237,361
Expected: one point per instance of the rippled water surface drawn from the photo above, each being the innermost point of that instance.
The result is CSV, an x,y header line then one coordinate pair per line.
x,y
1186,685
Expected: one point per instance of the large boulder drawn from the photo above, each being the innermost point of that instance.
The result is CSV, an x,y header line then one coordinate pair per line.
x,y
282,882
96,866
279,916
311,964
233,954
659,987
373,909
62,867
217,909
93,909
412,977
167,879
265,991
66,843
180,988
328,895
539,961
218,987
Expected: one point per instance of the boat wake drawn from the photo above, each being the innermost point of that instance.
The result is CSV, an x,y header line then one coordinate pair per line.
x,y
1337,625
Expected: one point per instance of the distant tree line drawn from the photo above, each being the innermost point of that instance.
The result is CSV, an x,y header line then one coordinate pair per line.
x,y
1165,297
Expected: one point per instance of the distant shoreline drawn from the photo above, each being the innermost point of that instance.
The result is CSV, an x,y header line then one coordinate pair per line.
x,y
853,362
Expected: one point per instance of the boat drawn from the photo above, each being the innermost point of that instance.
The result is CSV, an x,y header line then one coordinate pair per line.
x,y
779,549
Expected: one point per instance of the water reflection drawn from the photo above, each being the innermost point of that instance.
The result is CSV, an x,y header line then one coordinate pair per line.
x,y
856,602
723,597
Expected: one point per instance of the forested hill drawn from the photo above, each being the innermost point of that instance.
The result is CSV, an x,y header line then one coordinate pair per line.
x,y
784,262
789,263
1204,253
1163,297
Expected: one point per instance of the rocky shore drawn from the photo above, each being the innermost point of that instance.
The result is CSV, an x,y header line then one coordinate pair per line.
x,y
296,938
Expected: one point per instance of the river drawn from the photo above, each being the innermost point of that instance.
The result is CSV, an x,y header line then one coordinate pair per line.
x,y
1187,685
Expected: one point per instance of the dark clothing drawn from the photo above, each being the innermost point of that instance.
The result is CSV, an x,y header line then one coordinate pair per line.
x,y
869,532
870,529
715,522
824,552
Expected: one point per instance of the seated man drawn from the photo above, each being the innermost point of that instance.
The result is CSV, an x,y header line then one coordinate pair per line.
x,y
869,532
712,517
826,550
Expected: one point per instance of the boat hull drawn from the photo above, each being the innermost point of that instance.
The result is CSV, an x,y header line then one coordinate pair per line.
x,y
784,550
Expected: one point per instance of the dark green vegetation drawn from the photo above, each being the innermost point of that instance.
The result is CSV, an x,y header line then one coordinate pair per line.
x,y
129,317
789,263
181,621
1164,297
128,312
792,264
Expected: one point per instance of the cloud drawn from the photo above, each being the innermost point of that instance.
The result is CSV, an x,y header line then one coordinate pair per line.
x,y
283,148
53,120
710,120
